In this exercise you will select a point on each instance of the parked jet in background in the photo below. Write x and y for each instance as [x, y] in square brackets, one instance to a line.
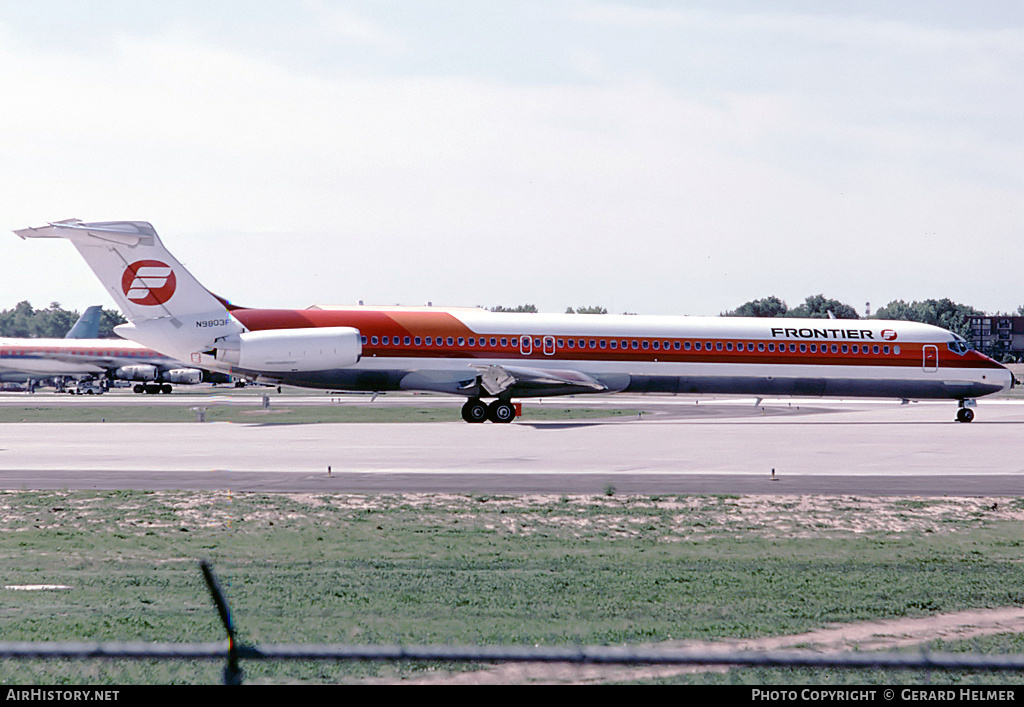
[480, 354]
[87, 327]
[81, 355]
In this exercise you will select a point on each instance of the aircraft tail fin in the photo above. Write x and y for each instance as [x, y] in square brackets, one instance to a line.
[88, 325]
[168, 309]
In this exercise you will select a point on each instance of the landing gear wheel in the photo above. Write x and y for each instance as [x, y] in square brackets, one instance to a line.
[474, 410]
[139, 388]
[964, 415]
[501, 411]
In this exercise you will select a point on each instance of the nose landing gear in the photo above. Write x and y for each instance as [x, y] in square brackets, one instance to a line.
[964, 414]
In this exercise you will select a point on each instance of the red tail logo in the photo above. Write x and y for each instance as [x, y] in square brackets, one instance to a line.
[148, 282]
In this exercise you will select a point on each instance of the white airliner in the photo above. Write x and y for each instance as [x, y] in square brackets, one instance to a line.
[122, 360]
[81, 354]
[484, 355]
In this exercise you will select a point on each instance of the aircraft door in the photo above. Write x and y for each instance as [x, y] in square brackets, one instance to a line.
[549, 345]
[525, 345]
[931, 358]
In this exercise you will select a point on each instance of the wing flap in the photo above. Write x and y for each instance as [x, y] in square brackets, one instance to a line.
[497, 379]
[513, 380]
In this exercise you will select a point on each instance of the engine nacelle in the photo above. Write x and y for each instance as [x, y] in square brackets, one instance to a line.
[290, 350]
[184, 376]
[137, 372]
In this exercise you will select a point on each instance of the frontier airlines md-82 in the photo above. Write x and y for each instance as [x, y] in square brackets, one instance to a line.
[499, 356]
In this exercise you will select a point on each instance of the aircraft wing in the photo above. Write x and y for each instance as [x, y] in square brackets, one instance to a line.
[517, 380]
[497, 379]
[101, 361]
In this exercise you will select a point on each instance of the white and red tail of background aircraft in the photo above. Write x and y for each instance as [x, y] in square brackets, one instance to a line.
[500, 356]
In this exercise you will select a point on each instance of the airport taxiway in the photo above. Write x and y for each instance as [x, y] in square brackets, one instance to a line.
[686, 446]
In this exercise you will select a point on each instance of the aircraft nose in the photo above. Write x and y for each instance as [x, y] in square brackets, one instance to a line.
[1009, 380]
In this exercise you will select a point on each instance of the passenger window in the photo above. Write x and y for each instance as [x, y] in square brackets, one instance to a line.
[760, 347]
[373, 340]
[728, 346]
[418, 341]
[462, 341]
[645, 344]
[696, 345]
[803, 348]
[385, 340]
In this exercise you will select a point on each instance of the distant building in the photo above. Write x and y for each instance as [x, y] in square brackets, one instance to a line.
[999, 336]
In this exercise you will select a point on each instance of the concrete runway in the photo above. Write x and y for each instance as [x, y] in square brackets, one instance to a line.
[717, 446]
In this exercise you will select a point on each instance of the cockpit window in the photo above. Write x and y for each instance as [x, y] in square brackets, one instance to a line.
[958, 347]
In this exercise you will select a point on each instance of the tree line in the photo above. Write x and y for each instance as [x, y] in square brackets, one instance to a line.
[24, 321]
[532, 309]
[943, 313]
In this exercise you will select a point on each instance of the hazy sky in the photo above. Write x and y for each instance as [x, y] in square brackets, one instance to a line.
[652, 157]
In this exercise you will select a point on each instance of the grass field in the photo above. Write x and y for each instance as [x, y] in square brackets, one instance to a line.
[487, 570]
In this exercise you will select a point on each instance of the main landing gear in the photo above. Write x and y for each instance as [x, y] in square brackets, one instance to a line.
[152, 388]
[476, 410]
[964, 414]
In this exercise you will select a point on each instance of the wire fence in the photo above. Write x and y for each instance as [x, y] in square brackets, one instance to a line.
[231, 652]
